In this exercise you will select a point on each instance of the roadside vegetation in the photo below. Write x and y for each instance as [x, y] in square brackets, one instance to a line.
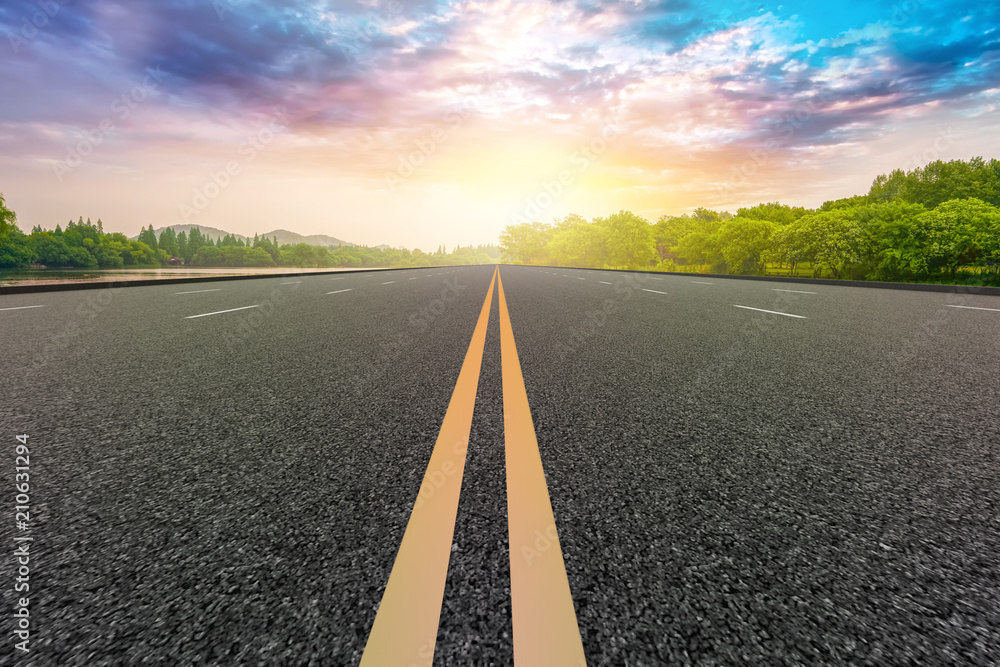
[939, 223]
[85, 245]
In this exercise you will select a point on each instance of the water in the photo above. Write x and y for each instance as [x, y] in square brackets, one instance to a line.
[61, 276]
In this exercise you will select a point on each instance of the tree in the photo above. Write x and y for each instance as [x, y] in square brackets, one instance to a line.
[789, 245]
[108, 255]
[887, 187]
[233, 255]
[701, 246]
[15, 249]
[182, 248]
[148, 236]
[524, 243]
[846, 202]
[168, 242]
[196, 241]
[258, 257]
[141, 254]
[837, 239]
[960, 232]
[629, 240]
[209, 256]
[52, 250]
[896, 239]
[775, 212]
[576, 242]
[939, 182]
[742, 241]
[302, 256]
[269, 247]
[669, 230]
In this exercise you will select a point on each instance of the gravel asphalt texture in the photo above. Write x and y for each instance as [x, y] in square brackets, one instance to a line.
[730, 486]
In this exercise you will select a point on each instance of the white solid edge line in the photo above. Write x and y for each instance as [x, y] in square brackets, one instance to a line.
[201, 291]
[340, 291]
[794, 291]
[698, 282]
[295, 283]
[773, 312]
[652, 290]
[232, 310]
[995, 310]
[22, 308]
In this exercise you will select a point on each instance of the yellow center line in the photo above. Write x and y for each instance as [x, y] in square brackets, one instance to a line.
[546, 633]
[406, 624]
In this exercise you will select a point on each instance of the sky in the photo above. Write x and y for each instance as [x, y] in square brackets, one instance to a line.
[430, 122]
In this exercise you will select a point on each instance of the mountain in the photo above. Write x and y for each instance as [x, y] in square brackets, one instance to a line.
[284, 236]
[211, 232]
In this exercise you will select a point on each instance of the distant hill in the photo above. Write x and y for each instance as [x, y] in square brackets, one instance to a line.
[284, 236]
[211, 232]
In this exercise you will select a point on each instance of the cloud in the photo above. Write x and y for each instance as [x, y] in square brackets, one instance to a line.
[363, 81]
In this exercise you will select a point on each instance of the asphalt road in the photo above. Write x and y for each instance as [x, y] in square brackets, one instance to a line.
[731, 486]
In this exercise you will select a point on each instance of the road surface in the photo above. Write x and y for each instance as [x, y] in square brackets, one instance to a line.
[740, 471]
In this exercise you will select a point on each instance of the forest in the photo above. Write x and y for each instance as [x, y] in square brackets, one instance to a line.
[938, 223]
[85, 245]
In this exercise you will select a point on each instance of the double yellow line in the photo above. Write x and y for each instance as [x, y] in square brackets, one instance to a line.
[544, 621]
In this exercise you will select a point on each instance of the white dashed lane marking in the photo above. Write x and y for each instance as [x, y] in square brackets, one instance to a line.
[231, 310]
[773, 312]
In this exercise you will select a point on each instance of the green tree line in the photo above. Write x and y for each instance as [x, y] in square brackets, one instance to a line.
[939, 223]
[85, 245]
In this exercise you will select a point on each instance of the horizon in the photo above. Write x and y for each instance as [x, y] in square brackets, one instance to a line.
[396, 125]
[213, 232]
